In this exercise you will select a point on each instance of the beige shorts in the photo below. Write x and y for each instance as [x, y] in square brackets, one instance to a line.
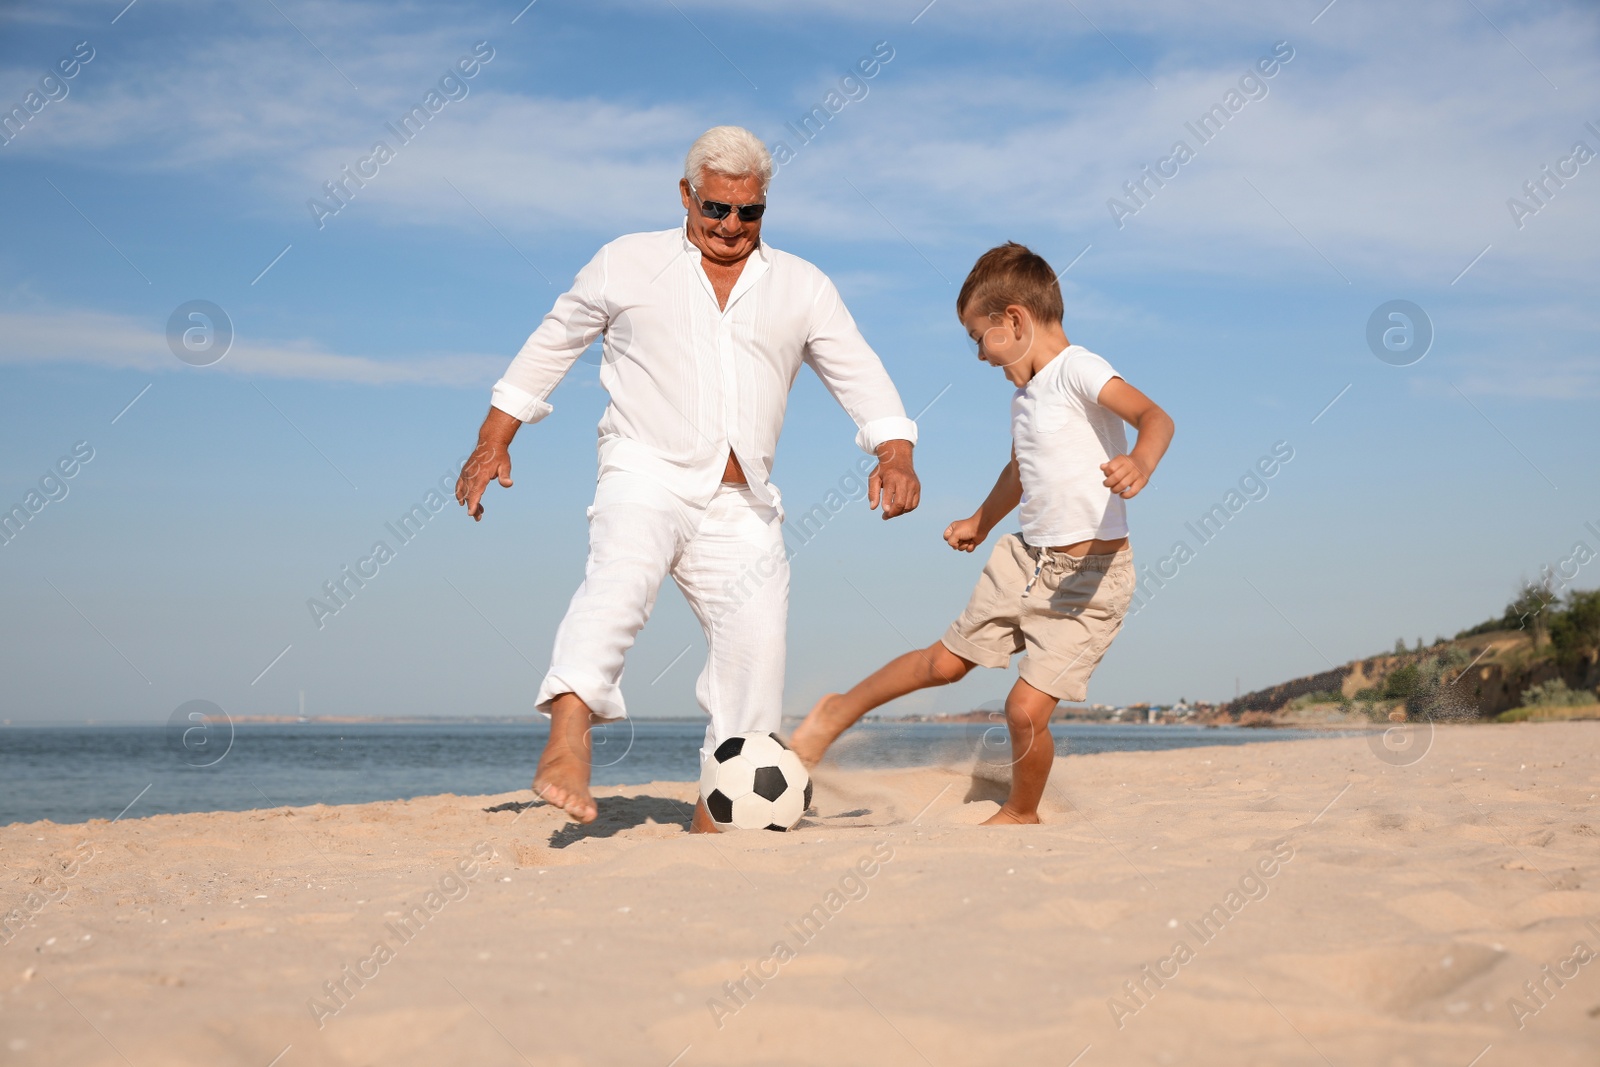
[1064, 622]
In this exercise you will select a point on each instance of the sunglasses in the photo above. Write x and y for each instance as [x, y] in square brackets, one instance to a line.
[715, 209]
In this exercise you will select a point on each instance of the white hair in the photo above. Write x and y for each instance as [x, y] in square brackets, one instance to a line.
[732, 151]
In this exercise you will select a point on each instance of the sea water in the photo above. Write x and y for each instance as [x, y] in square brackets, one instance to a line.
[72, 774]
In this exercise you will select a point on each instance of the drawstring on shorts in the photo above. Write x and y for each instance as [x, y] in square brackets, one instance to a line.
[1037, 567]
[1045, 559]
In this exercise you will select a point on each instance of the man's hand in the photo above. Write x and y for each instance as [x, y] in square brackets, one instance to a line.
[894, 482]
[964, 535]
[491, 459]
[1124, 477]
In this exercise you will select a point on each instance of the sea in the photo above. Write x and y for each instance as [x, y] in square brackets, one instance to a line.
[71, 774]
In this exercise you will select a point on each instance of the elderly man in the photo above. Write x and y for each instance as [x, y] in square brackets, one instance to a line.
[705, 329]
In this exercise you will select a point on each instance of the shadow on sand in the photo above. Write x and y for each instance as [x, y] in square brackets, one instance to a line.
[616, 814]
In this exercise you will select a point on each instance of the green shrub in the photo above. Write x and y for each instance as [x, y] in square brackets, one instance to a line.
[1529, 611]
[1575, 630]
[1555, 694]
[1326, 696]
[1401, 683]
[1377, 711]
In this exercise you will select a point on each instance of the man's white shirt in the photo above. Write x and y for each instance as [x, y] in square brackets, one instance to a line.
[690, 381]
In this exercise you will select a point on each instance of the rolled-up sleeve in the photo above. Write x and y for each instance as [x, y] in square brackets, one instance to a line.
[578, 317]
[853, 373]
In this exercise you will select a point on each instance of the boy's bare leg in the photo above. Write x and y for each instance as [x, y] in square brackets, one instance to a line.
[837, 712]
[563, 774]
[1033, 753]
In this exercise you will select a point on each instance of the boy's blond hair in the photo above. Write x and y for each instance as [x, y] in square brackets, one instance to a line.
[1011, 274]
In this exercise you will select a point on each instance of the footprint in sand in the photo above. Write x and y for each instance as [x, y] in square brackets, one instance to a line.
[1572, 904]
[1445, 912]
[1394, 978]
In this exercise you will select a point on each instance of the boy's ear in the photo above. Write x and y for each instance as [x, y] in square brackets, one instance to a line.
[1020, 320]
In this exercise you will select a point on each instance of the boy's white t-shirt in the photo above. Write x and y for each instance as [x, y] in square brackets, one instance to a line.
[1062, 435]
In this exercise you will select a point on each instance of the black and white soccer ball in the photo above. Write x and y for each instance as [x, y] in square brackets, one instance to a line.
[753, 781]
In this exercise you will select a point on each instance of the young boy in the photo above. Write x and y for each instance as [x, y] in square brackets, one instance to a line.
[1057, 591]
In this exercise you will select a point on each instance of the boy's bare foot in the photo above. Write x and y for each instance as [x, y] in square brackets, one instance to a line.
[1006, 817]
[563, 780]
[818, 730]
[701, 823]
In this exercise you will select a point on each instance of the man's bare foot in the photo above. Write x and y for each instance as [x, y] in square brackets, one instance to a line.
[563, 780]
[818, 730]
[1006, 817]
[701, 823]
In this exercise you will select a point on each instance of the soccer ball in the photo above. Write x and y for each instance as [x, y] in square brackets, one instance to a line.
[753, 781]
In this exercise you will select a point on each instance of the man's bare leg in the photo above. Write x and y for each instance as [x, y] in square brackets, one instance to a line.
[1033, 753]
[701, 823]
[837, 712]
[563, 774]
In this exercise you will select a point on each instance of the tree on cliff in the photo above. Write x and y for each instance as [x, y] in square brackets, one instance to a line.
[1575, 630]
[1529, 611]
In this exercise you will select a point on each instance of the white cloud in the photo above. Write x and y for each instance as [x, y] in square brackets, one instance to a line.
[122, 342]
[1561, 378]
[1390, 143]
[1510, 348]
[533, 164]
[1394, 163]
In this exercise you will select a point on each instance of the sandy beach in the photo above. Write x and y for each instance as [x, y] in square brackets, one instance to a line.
[1312, 902]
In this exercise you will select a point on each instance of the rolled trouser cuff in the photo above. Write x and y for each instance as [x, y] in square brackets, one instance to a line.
[603, 699]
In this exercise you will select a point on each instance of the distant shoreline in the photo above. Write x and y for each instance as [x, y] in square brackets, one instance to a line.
[954, 719]
[538, 720]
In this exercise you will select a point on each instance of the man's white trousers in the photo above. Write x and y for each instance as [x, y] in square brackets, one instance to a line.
[727, 557]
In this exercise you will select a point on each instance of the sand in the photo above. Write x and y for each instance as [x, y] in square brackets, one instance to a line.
[1367, 905]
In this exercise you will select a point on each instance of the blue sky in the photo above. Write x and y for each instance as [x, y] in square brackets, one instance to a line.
[177, 163]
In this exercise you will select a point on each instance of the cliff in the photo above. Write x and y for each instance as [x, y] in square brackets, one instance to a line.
[1471, 677]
